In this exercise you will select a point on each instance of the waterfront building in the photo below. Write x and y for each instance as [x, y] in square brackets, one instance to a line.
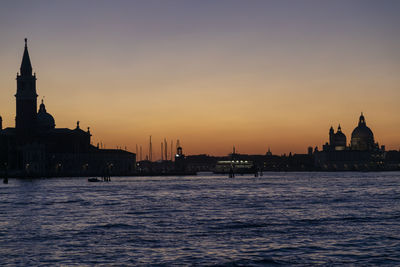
[361, 154]
[35, 147]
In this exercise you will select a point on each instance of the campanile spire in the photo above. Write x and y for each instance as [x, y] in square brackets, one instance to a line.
[26, 96]
[26, 66]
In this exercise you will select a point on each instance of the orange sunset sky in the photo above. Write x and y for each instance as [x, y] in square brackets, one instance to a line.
[254, 74]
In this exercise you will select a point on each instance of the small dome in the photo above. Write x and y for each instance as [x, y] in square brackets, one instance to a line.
[44, 120]
[340, 135]
[340, 138]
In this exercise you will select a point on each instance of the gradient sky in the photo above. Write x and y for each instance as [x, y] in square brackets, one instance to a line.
[254, 74]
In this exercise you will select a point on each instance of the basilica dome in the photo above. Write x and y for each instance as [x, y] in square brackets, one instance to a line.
[362, 137]
[44, 120]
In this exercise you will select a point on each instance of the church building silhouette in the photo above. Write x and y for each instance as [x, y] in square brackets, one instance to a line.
[35, 147]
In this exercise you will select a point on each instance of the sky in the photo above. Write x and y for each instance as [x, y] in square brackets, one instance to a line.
[213, 74]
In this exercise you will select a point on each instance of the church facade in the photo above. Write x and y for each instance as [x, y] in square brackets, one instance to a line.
[362, 153]
[35, 147]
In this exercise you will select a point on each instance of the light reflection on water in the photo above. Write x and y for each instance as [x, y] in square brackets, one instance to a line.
[280, 218]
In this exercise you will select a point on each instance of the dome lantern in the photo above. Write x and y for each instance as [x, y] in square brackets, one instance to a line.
[361, 121]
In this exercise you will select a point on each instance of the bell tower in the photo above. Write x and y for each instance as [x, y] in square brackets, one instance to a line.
[26, 97]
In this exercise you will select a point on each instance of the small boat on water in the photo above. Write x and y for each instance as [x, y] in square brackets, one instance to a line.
[93, 180]
[103, 179]
[5, 181]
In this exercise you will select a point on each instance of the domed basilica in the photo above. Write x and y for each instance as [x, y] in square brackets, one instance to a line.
[361, 154]
[362, 138]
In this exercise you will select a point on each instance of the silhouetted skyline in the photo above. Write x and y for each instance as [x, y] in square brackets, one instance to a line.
[213, 74]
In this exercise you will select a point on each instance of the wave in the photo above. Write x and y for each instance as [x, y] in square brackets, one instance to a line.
[246, 262]
[112, 226]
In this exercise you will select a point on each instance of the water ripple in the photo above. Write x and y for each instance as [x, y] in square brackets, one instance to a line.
[279, 219]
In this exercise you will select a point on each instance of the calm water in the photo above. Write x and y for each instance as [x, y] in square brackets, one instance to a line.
[278, 219]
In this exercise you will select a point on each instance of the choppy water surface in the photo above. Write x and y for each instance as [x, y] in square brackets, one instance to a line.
[280, 218]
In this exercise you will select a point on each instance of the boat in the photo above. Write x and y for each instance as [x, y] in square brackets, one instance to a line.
[93, 180]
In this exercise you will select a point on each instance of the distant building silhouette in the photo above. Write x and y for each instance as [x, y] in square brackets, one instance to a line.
[36, 147]
[269, 153]
[180, 162]
[362, 153]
